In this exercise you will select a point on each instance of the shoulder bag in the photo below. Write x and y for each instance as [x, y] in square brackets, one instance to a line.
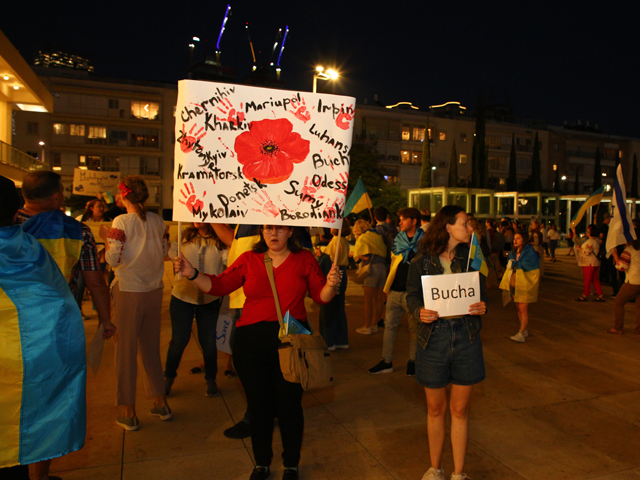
[304, 359]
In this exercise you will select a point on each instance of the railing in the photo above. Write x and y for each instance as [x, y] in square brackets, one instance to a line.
[16, 158]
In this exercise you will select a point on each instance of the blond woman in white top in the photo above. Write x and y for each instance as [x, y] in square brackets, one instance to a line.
[136, 246]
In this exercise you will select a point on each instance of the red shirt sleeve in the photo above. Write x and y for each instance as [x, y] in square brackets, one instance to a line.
[229, 280]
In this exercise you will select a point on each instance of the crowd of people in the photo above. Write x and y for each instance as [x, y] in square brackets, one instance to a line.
[219, 268]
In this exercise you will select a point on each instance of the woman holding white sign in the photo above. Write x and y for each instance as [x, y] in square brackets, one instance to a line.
[255, 348]
[449, 348]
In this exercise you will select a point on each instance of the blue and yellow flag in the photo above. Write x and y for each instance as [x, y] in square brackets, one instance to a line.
[358, 200]
[592, 201]
[60, 235]
[42, 355]
[476, 257]
[527, 272]
[243, 240]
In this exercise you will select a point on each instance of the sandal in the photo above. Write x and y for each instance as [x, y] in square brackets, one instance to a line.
[599, 299]
[615, 330]
[581, 298]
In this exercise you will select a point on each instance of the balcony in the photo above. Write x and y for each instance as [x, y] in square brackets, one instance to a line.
[15, 158]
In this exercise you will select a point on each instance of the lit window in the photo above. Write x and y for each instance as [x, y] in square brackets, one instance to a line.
[503, 181]
[416, 158]
[555, 167]
[97, 132]
[82, 160]
[60, 129]
[76, 130]
[442, 136]
[405, 156]
[418, 134]
[430, 134]
[93, 162]
[146, 110]
[406, 133]
[463, 158]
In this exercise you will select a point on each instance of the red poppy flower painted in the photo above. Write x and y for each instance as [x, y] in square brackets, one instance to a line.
[269, 149]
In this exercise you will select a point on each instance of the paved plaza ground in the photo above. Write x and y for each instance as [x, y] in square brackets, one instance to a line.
[563, 405]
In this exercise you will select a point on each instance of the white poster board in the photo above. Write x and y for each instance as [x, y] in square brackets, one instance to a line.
[93, 182]
[260, 156]
[452, 294]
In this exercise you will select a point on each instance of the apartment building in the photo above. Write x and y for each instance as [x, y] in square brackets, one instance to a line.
[104, 124]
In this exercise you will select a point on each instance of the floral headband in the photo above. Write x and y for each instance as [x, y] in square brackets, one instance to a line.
[124, 190]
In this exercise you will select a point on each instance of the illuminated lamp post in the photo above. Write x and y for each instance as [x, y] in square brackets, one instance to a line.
[41, 143]
[322, 75]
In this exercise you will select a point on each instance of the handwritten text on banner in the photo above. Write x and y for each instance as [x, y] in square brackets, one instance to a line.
[92, 182]
[452, 294]
[260, 156]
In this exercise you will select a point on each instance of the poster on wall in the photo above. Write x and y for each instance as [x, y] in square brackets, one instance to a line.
[261, 156]
[93, 182]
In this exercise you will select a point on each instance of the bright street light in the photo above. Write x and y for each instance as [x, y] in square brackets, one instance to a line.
[322, 75]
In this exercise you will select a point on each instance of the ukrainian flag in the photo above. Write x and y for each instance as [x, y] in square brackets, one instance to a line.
[358, 200]
[243, 240]
[60, 235]
[42, 355]
[592, 201]
[476, 257]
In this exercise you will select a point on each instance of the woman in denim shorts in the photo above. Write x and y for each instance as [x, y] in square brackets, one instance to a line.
[449, 348]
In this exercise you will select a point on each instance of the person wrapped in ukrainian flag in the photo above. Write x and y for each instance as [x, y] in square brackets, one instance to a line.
[520, 281]
[42, 359]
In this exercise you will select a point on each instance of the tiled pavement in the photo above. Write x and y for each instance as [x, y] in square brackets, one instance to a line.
[563, 405]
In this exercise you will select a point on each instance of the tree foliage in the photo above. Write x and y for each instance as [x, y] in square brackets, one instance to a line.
[597, 171]
[453, 166]
[425, 172]
[364, 164]
[536, 176]
[512, 180]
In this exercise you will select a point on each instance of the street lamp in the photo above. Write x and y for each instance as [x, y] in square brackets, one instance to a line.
[41, 143]
[322, 75]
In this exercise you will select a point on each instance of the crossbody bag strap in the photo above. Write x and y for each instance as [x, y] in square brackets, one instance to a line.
[269, 266]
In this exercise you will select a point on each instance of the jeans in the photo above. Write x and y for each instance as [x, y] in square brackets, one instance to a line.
[333, 318]
[590, 275]
[269, 395]
[553, 244]
[396, 308]
[450, 356]
[181, 321]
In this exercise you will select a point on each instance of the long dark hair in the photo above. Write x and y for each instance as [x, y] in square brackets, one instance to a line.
[292, 243]
[436, 238]
[192, 232]
[88, 211]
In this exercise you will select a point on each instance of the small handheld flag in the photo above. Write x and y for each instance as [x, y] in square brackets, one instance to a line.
[291, 325]
[358, 200]
[476, 257]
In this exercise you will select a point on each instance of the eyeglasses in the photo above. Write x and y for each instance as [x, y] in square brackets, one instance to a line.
[278, 229]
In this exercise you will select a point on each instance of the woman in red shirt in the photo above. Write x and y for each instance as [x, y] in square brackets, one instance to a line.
[255, 349]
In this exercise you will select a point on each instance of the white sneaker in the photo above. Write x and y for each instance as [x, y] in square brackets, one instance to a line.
[460, 476]
[331, 348]
[343, 347]
[434, 474]
[518, 337]
[364, 330]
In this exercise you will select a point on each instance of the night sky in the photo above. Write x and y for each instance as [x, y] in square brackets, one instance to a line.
[552, 61]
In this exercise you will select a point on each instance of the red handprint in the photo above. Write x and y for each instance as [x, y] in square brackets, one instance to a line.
[267, 205]
[344, 117]
[332, 211]
[234, 116]
[307, 192]
[344, 178]
[300, 112]
[193, 204]
[187, 142]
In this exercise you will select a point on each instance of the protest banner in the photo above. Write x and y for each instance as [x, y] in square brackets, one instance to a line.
[261, 156]
[93, 182]
[452, 294]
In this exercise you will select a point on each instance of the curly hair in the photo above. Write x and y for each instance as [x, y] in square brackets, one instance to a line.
[138, 194]
[436, 238]
[292, 243]
[360, 227]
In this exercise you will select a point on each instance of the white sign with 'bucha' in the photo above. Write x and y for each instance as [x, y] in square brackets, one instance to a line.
[451, 295]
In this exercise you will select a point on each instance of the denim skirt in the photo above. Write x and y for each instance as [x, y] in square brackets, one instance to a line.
[450, 356]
